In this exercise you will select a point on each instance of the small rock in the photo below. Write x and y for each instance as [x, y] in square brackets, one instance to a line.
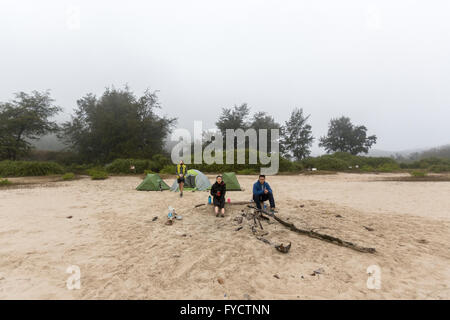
[69, 217]
[155, 218]
[221, 281]
[369, 228]
[276, 276]
[302, 205]
[246, 296]
[338, 216]
[239, 228]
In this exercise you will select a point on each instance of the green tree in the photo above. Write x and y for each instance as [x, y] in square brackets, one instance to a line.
[296, 136]
[262, 120]
[25, 118]
[117, 125]
[233, 118]
[343, 136]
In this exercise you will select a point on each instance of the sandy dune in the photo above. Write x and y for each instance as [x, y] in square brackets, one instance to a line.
[122, 253]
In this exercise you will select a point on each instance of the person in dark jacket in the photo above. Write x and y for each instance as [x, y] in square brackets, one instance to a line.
[218, 191]
[262, 192]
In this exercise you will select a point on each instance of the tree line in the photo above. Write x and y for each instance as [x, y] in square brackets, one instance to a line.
[120, 124]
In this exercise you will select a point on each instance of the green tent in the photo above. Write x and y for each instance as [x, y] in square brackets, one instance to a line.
[231, 181]
[194, 180]
[152, 182]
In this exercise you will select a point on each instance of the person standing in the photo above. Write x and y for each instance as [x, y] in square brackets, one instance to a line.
[181, 173]
[218, 191]
[262, 192]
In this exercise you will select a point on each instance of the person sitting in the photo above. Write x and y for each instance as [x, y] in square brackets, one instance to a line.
[262, 192]
[218, 191]
[181, 172]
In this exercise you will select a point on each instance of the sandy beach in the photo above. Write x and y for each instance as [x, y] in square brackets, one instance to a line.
[107, 229]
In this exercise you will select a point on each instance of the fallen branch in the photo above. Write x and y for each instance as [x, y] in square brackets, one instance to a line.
[316, 235]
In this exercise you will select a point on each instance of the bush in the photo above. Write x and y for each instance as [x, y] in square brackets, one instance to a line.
[388, 167]
[124, 166]
[168, 169]
[5, 182]
[248, 172]
[418, 174]
[367, 168]
[146, 172]
[439, 168]
[68, 176]
[97, 174]
[29, 168]
[326, 162]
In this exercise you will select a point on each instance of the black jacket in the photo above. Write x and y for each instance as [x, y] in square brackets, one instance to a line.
[218, 187]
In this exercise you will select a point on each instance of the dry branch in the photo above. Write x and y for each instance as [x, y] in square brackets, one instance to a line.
[316, 235]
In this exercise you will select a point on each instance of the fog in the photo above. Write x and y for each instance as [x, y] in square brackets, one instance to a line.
[385, 64]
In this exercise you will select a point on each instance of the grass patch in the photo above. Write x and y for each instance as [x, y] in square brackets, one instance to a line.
[5, 182]
[418, 174]
[68, 176]
[97, 174]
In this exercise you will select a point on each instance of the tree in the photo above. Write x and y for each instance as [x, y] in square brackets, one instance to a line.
[296, 136]
[117, 125]
[343, 136]
[25, 118]
[236, 118]
[262, 120]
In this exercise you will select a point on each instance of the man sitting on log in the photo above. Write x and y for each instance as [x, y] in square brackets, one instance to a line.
[263, 192]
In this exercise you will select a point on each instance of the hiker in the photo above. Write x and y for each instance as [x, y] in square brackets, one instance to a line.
[263, 192]
[218, 191]
[181, 172]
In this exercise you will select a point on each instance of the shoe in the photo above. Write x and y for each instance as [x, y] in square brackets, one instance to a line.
[272, 210]
[181, 194]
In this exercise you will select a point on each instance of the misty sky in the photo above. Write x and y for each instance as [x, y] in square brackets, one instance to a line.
[385, 64]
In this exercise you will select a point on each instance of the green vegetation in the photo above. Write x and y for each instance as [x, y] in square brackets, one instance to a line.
[418, 174]
[10, 168]
[98, 174]
[68, 176]
[5, 182]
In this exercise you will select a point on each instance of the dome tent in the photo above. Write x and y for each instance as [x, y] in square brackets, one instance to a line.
[152, 182]
[231, 181]
[194, 180]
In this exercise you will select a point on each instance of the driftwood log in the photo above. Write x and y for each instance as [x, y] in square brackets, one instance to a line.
[316, 235]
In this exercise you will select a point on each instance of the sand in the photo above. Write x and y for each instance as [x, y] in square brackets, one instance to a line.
[123, 254]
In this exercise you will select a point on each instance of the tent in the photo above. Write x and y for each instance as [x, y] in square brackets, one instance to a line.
[152, 182]
[194, 180]
[231, 181]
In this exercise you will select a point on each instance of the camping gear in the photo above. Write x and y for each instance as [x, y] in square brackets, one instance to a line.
[193, 180]
[231, 181]
[152, 182]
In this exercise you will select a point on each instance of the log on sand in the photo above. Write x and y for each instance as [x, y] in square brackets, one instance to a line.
[316, 235]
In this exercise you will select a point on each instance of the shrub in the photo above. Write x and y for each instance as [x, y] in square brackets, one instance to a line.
[124, 166]
[29, 168]
[97, 174]
[146, 172]
[5, 182]
[367, 168]
[168, 169]
[418, 174]
[248, 172]
[438, 168]
[388, 167]
[68, 176]
[326, 162]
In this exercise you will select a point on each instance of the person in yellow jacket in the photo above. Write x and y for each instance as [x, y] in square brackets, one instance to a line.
[181, 172]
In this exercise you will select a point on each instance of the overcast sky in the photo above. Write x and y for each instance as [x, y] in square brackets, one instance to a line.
[385, 64]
